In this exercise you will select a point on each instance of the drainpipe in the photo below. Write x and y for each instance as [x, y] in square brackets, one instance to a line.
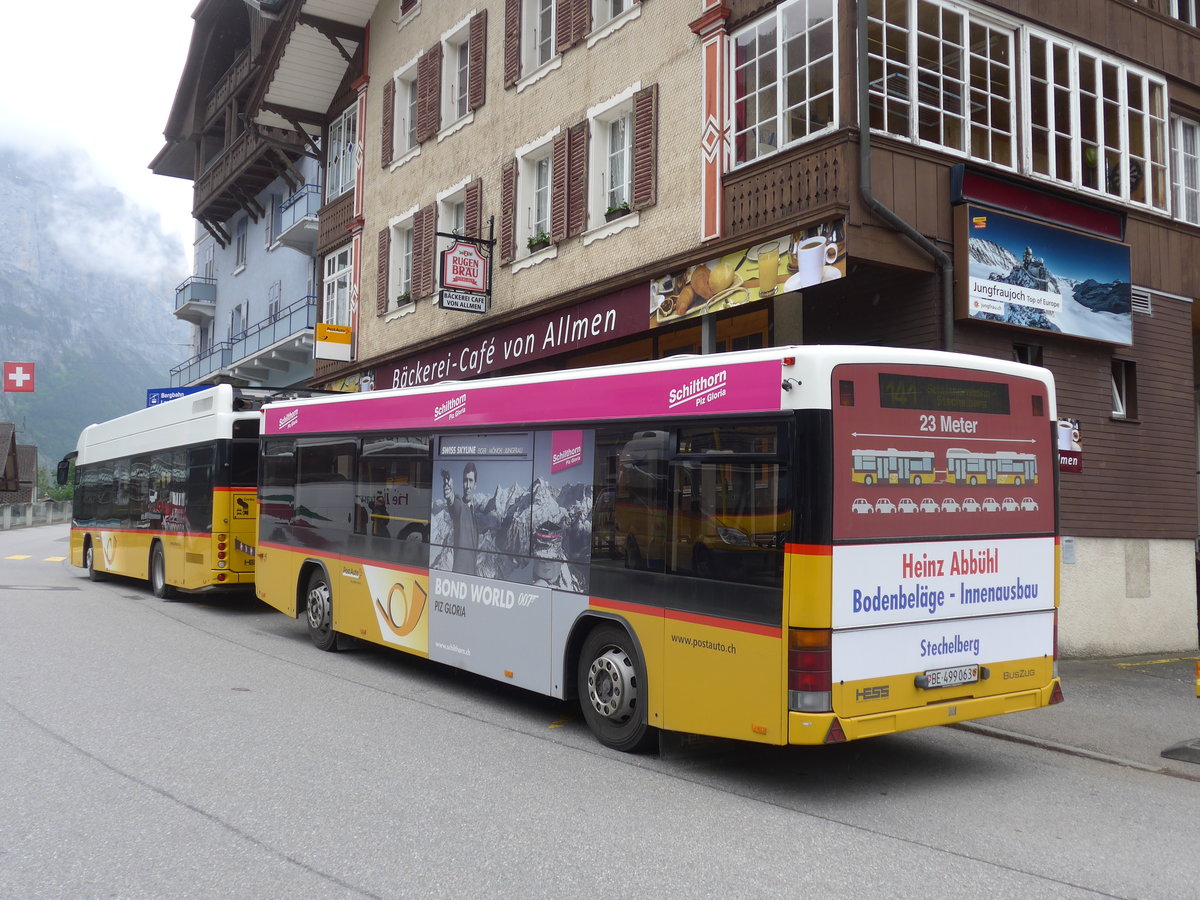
[939, 256]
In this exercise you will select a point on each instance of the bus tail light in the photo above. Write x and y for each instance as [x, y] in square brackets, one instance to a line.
[810, 670]
[1056, 695]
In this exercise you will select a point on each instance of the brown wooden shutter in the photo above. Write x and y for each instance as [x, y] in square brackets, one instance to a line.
[577, 177]
[424, 226]
[564, 25]
[508, 211]
[381, 271]
[473, 209]
[512, 42]
[388, 131]
[429, 93]
[559, 171]
[582, 19]
[477, 54]
[406, 5]
[645, 148]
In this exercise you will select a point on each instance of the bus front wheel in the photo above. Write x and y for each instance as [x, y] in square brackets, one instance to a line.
[612, 691]
[320, 612]
[89, 560]
[158, 574]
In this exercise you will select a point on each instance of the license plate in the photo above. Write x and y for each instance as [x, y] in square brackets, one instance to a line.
[936, 678]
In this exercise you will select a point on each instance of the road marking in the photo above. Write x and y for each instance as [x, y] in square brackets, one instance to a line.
[1153, 662]
[16, 557]
[54, 559]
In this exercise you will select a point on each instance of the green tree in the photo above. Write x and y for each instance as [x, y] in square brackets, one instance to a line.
[48, 487]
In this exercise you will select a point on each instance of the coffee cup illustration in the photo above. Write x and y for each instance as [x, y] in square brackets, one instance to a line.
[813, 254]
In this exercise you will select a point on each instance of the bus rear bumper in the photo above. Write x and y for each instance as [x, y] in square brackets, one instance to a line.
[813, 728]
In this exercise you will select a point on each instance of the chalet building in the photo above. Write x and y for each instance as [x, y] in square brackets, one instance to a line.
[251, 298]
[1011, 179]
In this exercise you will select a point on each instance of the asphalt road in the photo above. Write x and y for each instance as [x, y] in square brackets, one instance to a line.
[203, 748]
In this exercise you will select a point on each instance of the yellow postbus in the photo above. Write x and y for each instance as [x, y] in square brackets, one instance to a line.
[682, 545]
[168, 494]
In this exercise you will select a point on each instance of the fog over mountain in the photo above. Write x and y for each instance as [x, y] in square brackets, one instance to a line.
[87, 286]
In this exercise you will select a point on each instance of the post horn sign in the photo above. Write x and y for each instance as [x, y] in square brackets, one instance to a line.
[465, 282]
[333, 342]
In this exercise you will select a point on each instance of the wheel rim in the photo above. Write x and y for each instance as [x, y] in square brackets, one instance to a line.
[88, 557]
[158, 572]
[612, 685]
[320, 607]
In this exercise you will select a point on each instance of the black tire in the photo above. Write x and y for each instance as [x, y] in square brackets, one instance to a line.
[612, 691]
[319, 609]
[89, 561]
[158, 574]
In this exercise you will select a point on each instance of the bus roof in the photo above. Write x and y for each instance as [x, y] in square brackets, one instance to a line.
[750, 381]
[203, 416]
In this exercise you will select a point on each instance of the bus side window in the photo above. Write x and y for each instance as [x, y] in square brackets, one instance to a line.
[631, 511]
[393, 496]
[325, 486]
[200, 488]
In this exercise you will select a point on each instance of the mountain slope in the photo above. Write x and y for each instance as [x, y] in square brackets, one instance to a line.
[86, 291]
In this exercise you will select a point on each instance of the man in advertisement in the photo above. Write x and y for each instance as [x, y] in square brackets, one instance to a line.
[463, 518]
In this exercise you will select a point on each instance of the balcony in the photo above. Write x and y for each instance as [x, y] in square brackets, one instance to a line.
[276, 352]
[298, 219]
[196, 299]
[243, 169]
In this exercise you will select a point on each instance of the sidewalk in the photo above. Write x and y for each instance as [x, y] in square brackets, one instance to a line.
[1126, 710]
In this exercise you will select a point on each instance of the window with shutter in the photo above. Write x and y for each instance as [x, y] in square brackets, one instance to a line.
[508, 211]
[387, 131]
[429, 94]
[477, 78]
[456, 74]
[644, 186]
[424, 227]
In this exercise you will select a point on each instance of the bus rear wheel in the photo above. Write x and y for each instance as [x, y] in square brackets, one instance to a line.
[319, 604]
[612, 691]
[158, 574]
[89, 560]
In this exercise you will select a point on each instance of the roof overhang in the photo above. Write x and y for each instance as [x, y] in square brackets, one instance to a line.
[319, 41]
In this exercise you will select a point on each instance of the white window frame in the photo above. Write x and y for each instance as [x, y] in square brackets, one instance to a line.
[528, 159]
[400, 264]
[404, 114]
[335, 286]
[1185, 11]
[966, 101]
[341, 164]
[456, 73]
[1124, 403]
[770, 92]
[1113, 152]
[1185, 147]
[451, 218]
[241, 243]
[600, 173]
[538, 37]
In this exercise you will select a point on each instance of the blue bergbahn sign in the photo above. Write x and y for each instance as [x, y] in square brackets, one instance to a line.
[155, 396]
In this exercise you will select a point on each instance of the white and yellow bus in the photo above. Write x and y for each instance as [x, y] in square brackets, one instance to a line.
[676, 543]
[167, 494]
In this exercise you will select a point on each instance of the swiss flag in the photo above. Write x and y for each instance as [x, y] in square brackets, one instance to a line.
[18, 377]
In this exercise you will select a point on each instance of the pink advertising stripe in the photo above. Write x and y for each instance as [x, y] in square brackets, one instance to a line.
[742, 388]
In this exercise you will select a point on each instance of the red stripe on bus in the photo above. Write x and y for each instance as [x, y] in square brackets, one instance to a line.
[809, 549]
[693, 618]
[343, 558]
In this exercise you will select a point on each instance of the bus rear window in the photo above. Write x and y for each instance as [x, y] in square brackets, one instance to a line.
[898, 391]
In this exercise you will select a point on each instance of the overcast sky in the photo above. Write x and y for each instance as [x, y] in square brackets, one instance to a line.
[100, 77]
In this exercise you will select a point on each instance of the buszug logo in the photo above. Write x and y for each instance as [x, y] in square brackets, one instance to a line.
[289, 420]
